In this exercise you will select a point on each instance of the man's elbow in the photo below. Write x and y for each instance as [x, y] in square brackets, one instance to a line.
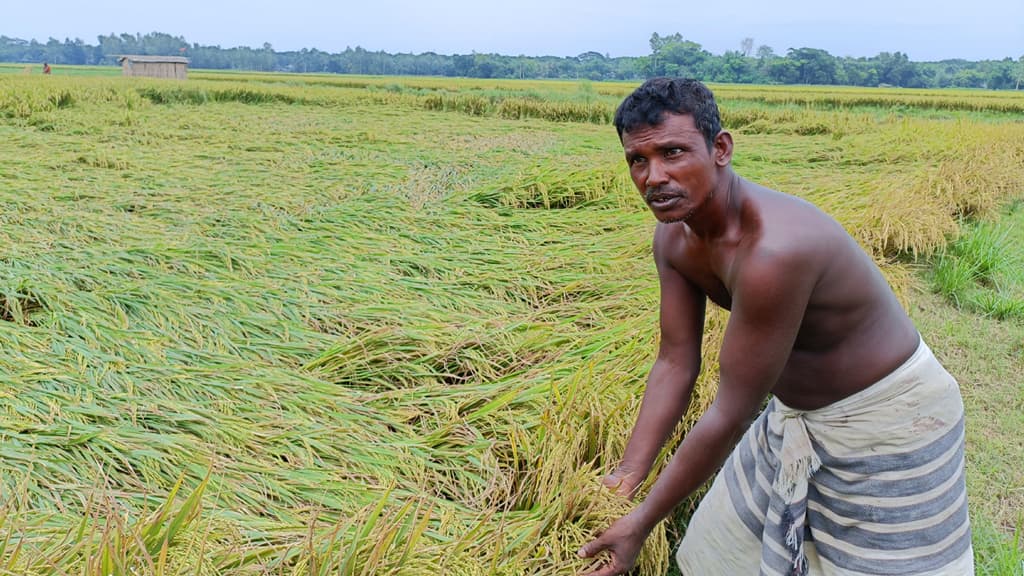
[681, 373]
[731, 423]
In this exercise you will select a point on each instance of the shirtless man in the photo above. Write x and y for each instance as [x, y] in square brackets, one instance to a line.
[813, 324]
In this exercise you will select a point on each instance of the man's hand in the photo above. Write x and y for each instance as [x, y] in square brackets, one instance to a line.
[622, 482]
[623, 541]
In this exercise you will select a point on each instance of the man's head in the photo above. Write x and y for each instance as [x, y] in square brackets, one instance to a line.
[649, 103]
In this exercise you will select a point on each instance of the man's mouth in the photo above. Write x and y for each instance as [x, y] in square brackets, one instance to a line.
[662, 197]
[661, 201]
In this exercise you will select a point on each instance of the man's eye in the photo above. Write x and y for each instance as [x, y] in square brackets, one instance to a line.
[673, 151]
[637, 160]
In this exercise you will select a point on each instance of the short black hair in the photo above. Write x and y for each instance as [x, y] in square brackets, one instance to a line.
[647, 106]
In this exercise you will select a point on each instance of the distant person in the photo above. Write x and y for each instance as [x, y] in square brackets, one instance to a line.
[46, 68]
[856, 464]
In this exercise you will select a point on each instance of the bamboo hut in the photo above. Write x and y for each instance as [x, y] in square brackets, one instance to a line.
[175, 67]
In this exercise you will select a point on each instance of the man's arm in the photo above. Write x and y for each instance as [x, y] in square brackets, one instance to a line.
[768, 303]
[671, 379]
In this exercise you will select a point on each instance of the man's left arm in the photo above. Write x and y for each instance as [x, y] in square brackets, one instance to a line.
[769, 298]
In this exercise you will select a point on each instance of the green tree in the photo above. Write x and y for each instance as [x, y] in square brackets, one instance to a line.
[658, 42]
[784, 71]
[463, 64]
[674, 56]
[732, 67]
[897, 70]
[593, 66]
[999, 75]
[859, 72]
[968, 78]
[812, 66]
[765, 55]
[74, 52]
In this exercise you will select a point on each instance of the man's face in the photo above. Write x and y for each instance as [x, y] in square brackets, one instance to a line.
[671, 166]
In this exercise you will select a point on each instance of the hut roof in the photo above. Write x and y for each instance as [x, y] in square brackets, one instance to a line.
[171, 59]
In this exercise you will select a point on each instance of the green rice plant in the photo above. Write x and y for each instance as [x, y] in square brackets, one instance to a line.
[105, 544]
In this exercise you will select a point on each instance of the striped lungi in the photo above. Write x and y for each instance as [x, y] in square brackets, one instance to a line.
[872, 484]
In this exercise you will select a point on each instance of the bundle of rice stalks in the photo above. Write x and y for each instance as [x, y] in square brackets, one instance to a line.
[592, 112]
[580, 184]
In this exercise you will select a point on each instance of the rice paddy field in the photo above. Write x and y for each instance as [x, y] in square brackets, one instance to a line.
[282, 324]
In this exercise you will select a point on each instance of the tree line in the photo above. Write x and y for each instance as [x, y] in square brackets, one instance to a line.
[670, 55]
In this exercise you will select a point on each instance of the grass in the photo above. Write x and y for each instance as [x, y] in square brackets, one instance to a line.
[971, 319]
[372, 336]
[985, 355]
[983, 269]
[996, 553]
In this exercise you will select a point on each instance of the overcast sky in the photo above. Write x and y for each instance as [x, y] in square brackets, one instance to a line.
[923, 29]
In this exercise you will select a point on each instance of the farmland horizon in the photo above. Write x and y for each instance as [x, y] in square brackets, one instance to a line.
[926, 31]
[747, 45]
[670, 55]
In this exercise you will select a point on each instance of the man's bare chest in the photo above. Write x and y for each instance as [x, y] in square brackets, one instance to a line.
[710, 272]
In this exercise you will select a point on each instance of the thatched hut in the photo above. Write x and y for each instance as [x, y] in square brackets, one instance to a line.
[155, 66]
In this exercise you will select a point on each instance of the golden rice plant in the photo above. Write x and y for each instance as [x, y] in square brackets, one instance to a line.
[520, 108]
[576, 184]
[251, 324]
[838, 97]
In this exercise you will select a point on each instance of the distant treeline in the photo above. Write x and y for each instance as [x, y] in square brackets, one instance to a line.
[670, 55]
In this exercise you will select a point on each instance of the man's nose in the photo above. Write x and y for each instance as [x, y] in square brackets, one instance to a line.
[656, 174]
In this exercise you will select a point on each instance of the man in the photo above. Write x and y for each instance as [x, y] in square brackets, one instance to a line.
[856, 464]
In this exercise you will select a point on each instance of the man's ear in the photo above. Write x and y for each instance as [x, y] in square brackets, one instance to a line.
[723, 148]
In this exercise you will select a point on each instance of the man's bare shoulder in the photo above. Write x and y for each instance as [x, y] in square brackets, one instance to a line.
[784, 239]
[782, 226]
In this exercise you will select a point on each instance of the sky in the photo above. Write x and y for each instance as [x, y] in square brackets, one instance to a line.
[925, 30]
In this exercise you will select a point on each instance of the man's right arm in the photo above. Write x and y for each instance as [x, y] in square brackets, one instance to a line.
[671, 380]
